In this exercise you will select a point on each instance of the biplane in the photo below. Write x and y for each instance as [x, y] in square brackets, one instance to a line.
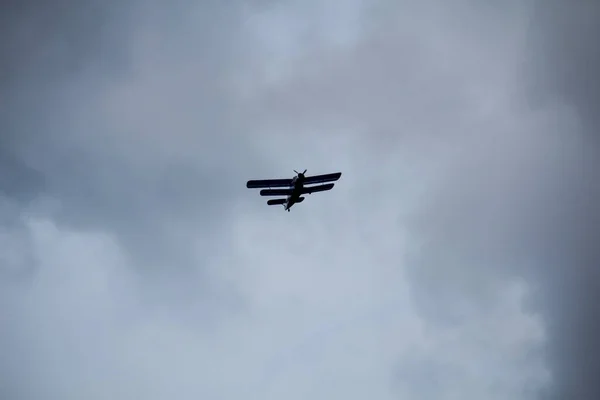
[293, 188]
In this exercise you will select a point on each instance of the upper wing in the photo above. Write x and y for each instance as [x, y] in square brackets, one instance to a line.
[322, 178]
[314, 189]
[265, 183]
[276, 192]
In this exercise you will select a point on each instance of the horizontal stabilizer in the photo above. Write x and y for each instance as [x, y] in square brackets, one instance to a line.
[275, 202]
[315, 189]
[309, 180]
[276, 192]
[268, 183]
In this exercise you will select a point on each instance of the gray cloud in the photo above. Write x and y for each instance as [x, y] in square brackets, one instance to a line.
[565, 57]
[139, 123]
[43, 42]
[514, 191]
[66, 141]
[568, 67]
[525, 203]
[72, 153]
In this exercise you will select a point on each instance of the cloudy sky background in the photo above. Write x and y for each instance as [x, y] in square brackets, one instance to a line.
[454, 259]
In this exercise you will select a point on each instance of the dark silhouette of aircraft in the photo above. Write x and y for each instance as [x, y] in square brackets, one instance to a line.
[294, 187]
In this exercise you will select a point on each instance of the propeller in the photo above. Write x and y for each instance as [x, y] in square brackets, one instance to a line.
[300, 173]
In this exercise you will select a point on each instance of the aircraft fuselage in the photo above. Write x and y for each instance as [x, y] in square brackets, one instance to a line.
[297, 185]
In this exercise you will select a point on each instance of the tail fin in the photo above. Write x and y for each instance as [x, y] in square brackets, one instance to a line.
[274, 202]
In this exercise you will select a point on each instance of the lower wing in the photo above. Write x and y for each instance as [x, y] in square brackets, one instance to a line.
[276, 192]
[315, 189]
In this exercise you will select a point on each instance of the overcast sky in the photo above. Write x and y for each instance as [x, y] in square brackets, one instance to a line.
[455, 258]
